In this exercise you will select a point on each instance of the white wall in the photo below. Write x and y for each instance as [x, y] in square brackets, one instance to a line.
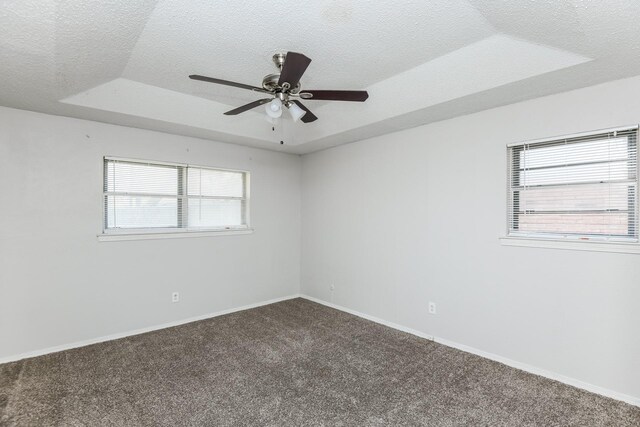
[406, 218]
[392, 222]
[59, 285]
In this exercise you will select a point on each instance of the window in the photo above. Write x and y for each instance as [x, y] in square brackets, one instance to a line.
[151, 196]
[583, 187]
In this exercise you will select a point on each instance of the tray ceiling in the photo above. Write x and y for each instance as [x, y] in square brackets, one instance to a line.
[127, 62]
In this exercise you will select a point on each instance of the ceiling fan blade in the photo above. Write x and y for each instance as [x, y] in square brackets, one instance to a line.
[227, 83]
[295, 64]
[247, 107]
[309, 116]
[335, 95]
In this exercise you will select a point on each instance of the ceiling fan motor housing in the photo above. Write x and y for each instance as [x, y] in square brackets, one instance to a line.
[270, 81]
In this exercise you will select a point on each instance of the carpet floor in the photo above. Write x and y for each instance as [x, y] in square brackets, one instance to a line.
[291, 363]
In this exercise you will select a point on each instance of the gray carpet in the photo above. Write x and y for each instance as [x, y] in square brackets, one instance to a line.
[288, 364]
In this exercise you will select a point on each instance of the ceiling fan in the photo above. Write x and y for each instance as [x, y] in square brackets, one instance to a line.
[284, 86]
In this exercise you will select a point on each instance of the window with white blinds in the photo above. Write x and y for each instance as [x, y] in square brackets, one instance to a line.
[583, 187]
[155, 196]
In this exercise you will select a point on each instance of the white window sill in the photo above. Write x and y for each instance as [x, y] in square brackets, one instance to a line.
[576, 245]
[118, 236]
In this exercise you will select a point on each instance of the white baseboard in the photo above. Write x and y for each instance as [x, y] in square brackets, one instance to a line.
[515, 364]
[119, 335]
[632, 400]
[372, 318]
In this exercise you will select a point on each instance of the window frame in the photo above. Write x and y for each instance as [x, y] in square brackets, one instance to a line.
[112, 234]
[590, 242]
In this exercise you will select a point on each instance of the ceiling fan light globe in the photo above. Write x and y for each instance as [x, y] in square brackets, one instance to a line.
[274, 108]
[275, 104]
[296, 112]
[271, 113]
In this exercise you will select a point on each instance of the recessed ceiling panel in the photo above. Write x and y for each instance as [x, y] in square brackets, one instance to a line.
[353, 44]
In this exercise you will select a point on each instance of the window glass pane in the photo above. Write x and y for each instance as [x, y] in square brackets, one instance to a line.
[613, 223]
[123, 177]
[577, 198]
[172, 196]
[580, 152]
[215, 213]
[208, 182]
[141, 212]
[581, 188]
[576, 174]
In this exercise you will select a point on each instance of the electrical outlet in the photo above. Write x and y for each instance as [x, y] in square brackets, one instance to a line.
[175, 297]
[332, 288]
[432, 307]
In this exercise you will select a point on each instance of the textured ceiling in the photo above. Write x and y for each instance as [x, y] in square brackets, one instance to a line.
[127, 62]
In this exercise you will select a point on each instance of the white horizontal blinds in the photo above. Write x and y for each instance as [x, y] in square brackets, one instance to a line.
[145, 195]
[216, 198]
[141, 195]
[578, 187]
